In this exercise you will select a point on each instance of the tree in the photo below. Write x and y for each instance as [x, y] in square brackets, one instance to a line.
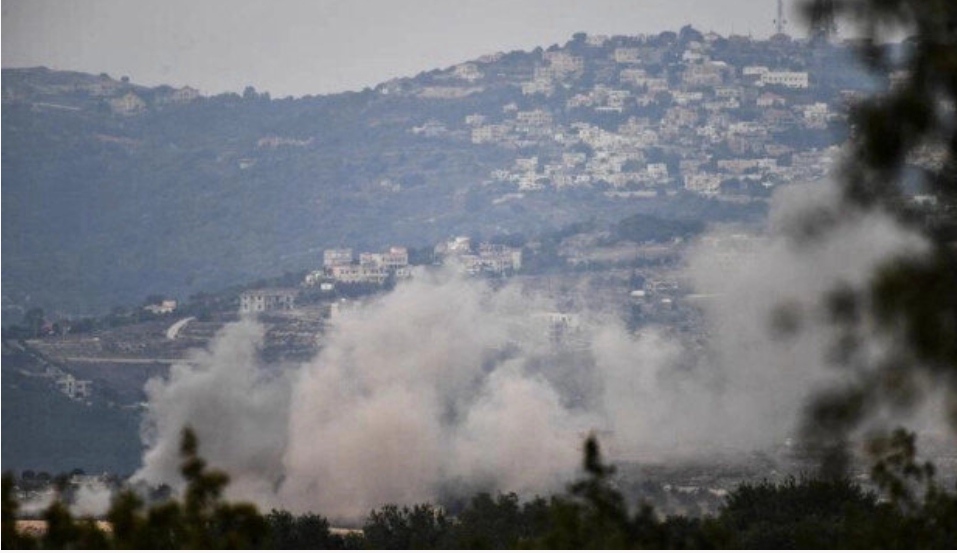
[308, 531]
[910, 129]
[689, 34]
[799, 514]
[393, 527]
[202, 520]
[12, 539]
[596, 516]
[501, 522]
[33, 321]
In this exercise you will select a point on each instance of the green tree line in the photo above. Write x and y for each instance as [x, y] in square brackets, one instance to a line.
[797, 513]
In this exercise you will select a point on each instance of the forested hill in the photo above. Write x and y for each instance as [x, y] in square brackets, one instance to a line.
[114, 191]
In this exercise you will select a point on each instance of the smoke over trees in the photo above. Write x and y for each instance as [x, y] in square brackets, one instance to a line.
[447, 386]
[910, 300]
[591, 514]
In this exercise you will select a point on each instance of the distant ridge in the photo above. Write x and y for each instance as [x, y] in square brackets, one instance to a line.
[114, 191]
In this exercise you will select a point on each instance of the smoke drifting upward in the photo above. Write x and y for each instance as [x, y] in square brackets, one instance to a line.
[238, 409]
[424, 389]
[766, 287]
[446, 385]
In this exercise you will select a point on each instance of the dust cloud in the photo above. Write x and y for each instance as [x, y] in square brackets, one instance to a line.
[448, 385]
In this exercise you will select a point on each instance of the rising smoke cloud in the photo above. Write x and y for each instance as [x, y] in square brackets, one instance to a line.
[447, 385]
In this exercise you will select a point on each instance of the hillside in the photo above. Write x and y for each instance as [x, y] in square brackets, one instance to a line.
[46, 431]
[114, 191]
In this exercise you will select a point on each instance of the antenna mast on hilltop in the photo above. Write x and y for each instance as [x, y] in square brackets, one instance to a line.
[779, 21]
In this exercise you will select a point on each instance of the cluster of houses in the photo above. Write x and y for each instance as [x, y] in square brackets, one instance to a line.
[163, 307]
[638, 114]
[131, 103]
[488, 259]
[338, 266]
[698, 119]
[341, 265]
[268, 299]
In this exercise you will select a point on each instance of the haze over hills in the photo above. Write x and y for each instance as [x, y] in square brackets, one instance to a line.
[578, 283]
[114, 191]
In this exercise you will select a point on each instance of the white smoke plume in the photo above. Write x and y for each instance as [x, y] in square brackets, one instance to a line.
[447, 385]
[753, 282]
[35, 505]
[239, 410]
[91, 500]
[88, 499]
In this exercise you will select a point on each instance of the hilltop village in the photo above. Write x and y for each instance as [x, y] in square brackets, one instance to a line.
[629, 115]
[646, 115]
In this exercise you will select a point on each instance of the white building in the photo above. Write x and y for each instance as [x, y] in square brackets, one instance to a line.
[657, 171]
[184, 95]
[468, 72]
[537, 117]
[393, 259]
[754, 70]
[274, 299]
[333, 258]
[627, 55]
[789, 79]
[703, 183]
[559, 328]
[489, 133]
[161, 308]
[538, 86]
[475, 120]
[563, 62]
[358, 274]
[816, 115]
[73, 388]
[129, 104]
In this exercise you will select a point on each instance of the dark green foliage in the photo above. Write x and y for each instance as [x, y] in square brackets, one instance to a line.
[498, 522]
[202, 520]
[12, 539]
[904, 139]
[797, 513]
[393, 527]
[308, 531]
[806, 514]
[649, 228]
[595, 515]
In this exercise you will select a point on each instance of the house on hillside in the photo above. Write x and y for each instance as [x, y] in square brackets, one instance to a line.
[128, 104]
[336, 258]
[74, 388]
[273, 299]
[161, 308]
[184, 95]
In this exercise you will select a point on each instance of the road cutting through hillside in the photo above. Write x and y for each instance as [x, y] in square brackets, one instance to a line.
[173, 330]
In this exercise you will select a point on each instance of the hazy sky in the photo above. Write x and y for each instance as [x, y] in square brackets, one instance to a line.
[298, 47]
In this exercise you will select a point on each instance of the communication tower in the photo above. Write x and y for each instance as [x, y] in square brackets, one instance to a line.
[780, 21]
